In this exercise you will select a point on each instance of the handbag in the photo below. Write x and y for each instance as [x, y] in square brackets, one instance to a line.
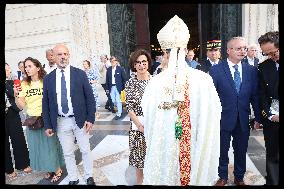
[34, 122]
[122, 96]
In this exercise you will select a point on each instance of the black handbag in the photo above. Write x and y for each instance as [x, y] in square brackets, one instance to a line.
[34, 122]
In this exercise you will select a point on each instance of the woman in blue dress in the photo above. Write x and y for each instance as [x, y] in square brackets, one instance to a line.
[93, 75]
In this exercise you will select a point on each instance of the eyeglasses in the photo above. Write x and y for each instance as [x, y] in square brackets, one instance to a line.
[240, 49]
[270, 53]
[141, 62]
[114, 60]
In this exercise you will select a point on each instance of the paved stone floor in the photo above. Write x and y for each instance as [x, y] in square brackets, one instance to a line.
[109, 145]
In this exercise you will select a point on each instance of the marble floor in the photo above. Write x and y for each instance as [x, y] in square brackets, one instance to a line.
[109, 145]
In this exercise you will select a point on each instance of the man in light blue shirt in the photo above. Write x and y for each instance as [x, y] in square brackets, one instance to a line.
[189, 59]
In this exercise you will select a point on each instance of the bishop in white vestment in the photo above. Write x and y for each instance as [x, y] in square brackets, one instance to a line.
[182, 114]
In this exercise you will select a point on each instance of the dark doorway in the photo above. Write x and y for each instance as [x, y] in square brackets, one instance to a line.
[160, 14]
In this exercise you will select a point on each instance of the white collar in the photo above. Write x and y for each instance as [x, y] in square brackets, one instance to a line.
[231, 64]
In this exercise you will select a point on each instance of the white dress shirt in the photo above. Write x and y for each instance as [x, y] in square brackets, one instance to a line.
[49, 69]
[213, 63]
[250, 61]
[58, 90]
[232, 69]
[277, 65]
[113, 74]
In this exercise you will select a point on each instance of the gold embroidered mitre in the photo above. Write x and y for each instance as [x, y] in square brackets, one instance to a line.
[174, 34]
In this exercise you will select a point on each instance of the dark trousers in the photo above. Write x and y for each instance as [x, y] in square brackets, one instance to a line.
[13, 128]
[271, 138]
[240, 145]
[109, 102]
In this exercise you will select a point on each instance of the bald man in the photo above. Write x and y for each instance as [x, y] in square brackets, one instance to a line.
[236, 85]
[69, 109]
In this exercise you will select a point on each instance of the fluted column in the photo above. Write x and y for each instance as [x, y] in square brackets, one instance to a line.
[259, 19]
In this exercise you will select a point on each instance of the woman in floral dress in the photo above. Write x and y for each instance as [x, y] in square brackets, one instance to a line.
[93, 76]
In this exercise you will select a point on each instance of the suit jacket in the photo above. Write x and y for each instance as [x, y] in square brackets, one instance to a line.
[82, 98]
[120, 78]
[234, 104]
[205, 66]
[256, 60]
[269, 84]
[154, 66]
[9, 90]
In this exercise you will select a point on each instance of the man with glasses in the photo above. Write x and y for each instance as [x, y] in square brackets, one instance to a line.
[269, 103]
[236, 84]
[115, 83]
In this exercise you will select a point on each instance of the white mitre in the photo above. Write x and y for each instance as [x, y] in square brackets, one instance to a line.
[175, 35]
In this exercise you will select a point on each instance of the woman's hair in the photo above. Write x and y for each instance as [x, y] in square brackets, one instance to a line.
[41, 72]
[88, 62]
[134, 55]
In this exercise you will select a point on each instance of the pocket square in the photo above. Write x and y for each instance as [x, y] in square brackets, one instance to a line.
[117, 73]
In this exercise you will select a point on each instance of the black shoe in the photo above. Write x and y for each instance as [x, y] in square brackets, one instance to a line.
[117, 117]
[74, 182]
[90, 181]
[107, 107]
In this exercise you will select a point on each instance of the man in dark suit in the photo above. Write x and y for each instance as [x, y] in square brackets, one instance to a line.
[251, 55]
[69, 109]
[21, 71]
[115, 83]
[236, 84]
[252, 60]
[269, 85]
[213, 56]
[156, 63]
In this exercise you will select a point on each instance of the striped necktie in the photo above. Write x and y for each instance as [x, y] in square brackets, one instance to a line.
[64, 101]
[237, 78]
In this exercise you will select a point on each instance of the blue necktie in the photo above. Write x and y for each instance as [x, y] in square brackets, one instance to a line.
[237, 78]
[64, 101]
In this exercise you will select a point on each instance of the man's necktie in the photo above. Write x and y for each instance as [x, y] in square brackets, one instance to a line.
[237, 78]
[64, 101]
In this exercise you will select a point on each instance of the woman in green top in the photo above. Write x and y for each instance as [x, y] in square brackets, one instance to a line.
[45, 152]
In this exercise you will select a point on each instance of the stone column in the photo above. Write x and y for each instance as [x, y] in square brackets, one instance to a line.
[257, 20]
[98, 32]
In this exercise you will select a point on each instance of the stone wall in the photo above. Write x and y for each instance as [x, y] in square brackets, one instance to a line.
[32, 28]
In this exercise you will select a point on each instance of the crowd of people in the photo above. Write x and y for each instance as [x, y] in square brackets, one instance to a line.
[183, 112]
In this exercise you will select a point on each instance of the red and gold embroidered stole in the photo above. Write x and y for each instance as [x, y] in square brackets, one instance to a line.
[184, 145]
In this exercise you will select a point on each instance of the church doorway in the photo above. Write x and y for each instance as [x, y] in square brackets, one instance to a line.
[160, 14]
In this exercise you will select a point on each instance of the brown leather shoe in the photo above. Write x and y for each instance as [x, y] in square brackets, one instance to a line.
[221, 182]
[239, 183]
